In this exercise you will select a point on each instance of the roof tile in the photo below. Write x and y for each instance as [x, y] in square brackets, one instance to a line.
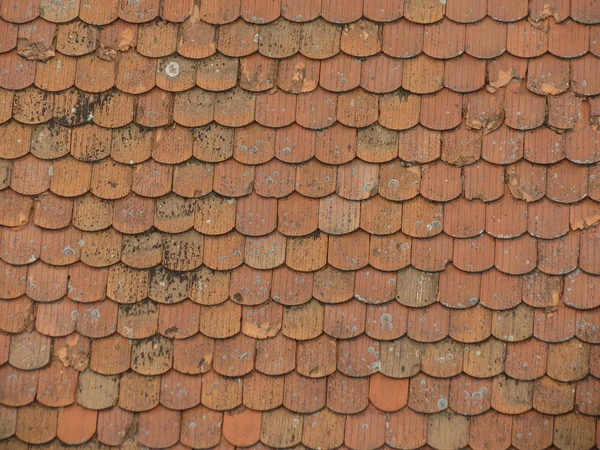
[201, 427]
[304, 395]
[197, 39]
[113, 425]
[400, 110]
[444, 40]
[32, 106]
[303, 322]
[36, 424]
[347, 395]
[159, 427]
[428, 395]
[361, 38]
[138, 392]
[532, 429]
[300, 12]
[242, 426]
[447, 430]
[567, 426]
[484, 359]
[213, 12]
[556, 324]
[442, 110]
[9, 33]
[20, 11]
[406, 429]
[250, 286]
[180, 320]
[111, 355]
[428, 11]
[280, 39]
[276, 355]
[76, 425]
[187, 353]
[402, 38]
[213, 323]
[281, 428]
[16, 314]
[466, 11]
[358, 437]
[432, 254]
[469, 395]
[326, 34]
[179, 391]
[513, 325]
[387, 321]
[262, 392]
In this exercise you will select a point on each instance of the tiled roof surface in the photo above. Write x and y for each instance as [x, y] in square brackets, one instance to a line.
[300, 223]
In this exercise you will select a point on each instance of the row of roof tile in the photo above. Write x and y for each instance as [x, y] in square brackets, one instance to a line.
[102, 12]
[201, 427]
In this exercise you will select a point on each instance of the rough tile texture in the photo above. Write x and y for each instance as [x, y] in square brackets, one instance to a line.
[281, 223]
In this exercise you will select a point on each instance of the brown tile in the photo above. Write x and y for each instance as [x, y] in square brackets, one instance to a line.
[113, 425]
[462, 147]
[432, 254]
[30, 350]
[421, 218]
[152, 356]
[304, 395]
[428, 395]
[512, 396]
[488, 430]
[281, 428]
[22, 391]
[16, 314]
[155, 108]
[441, 181]
[237, 39]
[324, 428]
[380, 216]
[76, 38]
[587, 323]
[212, 320]
[133, 214]
[347, 395]
[402, 38]
[131, 143]
[109, 180]
[471, 324]
[484, 359]
[417, 288]
[217, 73]
[399, 111]
[235, 108]
[9, 422]
[513, 325]
[280, 39]
[406, 429]
[470, 396]
[20, 72]
[197, 100]
[303, 322]
[32, 106]
[556, 324]
[307, 253]
[338, 215]
[345, 320]
[390, 252]
[553, 397]
[318, 109]
[266, 252]
[193, 355]
[447, 430]
[215, 215]
[262, 392]
[179, 321]
[36, 424]
[46, 283]
[216, 13]
[573, 430]
[377, 144]
[392, 351]
[21, 245]
[568, 361]
[139, 320]
[97, 391]
[111, 355]
[142, 251]
[174, 214]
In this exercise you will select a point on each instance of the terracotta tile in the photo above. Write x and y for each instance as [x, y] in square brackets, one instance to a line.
[317, 109]
[541, 290]
[587, 323]
[174, 214]
[484, 110]
[466, 12]
[215, 214]
[406, 429]
[348, 252]
[486, 39]
[582, 145]
[399, 111]
[76, 425]
[262, 321]
[131, 145]
[290, 287]
[581, 290]
[242, 426]
[347, 395]
[19, 73]
[441, 181]
[464, 218]
[459, 289]
[276, 110]
[138, 392]
[582, 78]
[432, 254]
[303, 322]
[556, 324]
[167, 286]
[250, 286]
[465, 74]
[484, 359]
[547, 219]
[155, 108]
[179, 391]
[422, 218]
[567, 182]
[113, 425]
[36, 424]
[97, 391]
[563, 111]
[399, 181]
[481, 435]
[118, 36]
[300, 12]
[553, 397]
[390, 358]
[513, 325]
[559, 256]
[22, 390]
[340, 73]
[444, 40]
[76, 38]
[448, 430]
[266, 252]
[512, 396]
[133, 62]
[532, 430]
[201, 427]
[209, 287]
[526, 360]
[416, 288]
[157, 39]
[32, 106]
[179, 321]
[315, 179]
[402, 38]
[213, 12]
[524, 110]
[471, 324]
[133, 214]
[361, 38]
[159, 427]
[441, 111]
[338, 215]
[262, 392]
[506, 218]
[46, 283]
[16, 314]
[142, 251]
[109, 180]
[337, 12]
[217, 73]
[298, 74]
[516, 256]
[333, 286]
[428, 394]
[304, 395]
[9, 422]
[387, 321]
[294, 144]
[470, 396]
[9, 32]
[237, 39]
[345, 320]
[275, 179]
[184, 251]
[152, 356]
[544, 146]
[503, 70]
[429, 324]
[381, 74]
[548, 75]
[29, 350]
[280, 39]
[193, 355]
[423, 12]
[587, 397]
[390, 252]
[212, 320]
[377, 144]
[380, 216]
[21, 245]
[276, 356]
[97, 319]
[281, 428]
[573, 430]
[256, 216]
[111, 355]
[259, 73]
[197, 39]
[568, 361]
[138, 320]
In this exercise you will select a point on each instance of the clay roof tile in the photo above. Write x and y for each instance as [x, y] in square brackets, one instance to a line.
[402, 38]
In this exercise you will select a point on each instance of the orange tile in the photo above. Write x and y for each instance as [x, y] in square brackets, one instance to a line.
[372, 436]
[250, 286]
[275, 179]
[466, 12]
[303, 394]
[532, 429]
[465, 74]
[237, 39]
[174, 214]
[526, 360]
[441, 111]
[217, 73]
[513, 325]
[345, 320]
[290, 287]
[255, 215]
[380, 216]
[201, 427]
[213, 323]
[262, 392]
[512, 396]
[459, 289]
[36, 424]
[16, 314]
[399, 111]
[402, 38]
[484, 359]
[568, 361]
[553, 397]
[186, 352]
[220, 393]
[348, 252]
[567, 182]
[197, 39]
[428, 11]
[582, 78]
[429, 324]
[159, 427]
[281, 428]
[377, 144]
[276, 356]
[298, 74]
[76, 425]
[488, 430]
[111, 355]
[340, 73]
[242, 427]
[347, 395]
[303, 322]
[337, 215]
[441, 181]
[470, 396]
[295, 144]
[259, 73]
[428, 394]
[317, 109]
[361, 38]
[333, 286]
[406, 429]
[387, 321]
[432, 254]
[138, 392]
[444, 40]
[570, 425]
[179, 391]
[301, 12]
[337, 11]
[262, 321]
[280, 39]
[214, 12]
[113, 425]
[587, 322]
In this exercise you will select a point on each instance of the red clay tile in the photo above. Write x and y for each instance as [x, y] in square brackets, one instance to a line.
[429, 324]
[471, 324]
[266, 252]
[580, 291]
[441, 111]
[36, 424]
[179, 391]
[526, 360]
[587, 396]
[485, 39]
[345, 320]
[459, 289]
[381, 74]
[262, 321]
[19, 73]
[574, 424]
[432, 254]
[139, 320]
[332, 285]
[442, 359]
[298, 74]
[217, 73]
[556, 324]
[16, 314]
[402, 39]
[193, 355]
[512, 396]
[280, 39]
[250, 286]
[340, 73]
[159, 427]
[157, 39]
[262, 392]
[516, 256]
[466, 11]
[568, 361]
[201, 427]
[359, 437]
[559, 256]
[9, 32]
[507, 11]
[532, 430]
[197, 39]
[209, 287]
[281, 428]
[237, 39]
[390, 355]
[513, 325]
[553, 397]
[242, 427]
[428, 395]
[444, 40]
[347, 395]
[348, 252]
[541, 290]
[9, 422]
[441, 181]
[304, 395]
[300, 12]
[567, 182]
[57, 318]
[318, 110]
[113, 425]
[138, 392]
[361, 38]
[584, 13]
[400, 111]
[464, 218]
[174, 214]
[76, 425]
[304, 321]
[547, 219]
[276, 356]
[423, 12]
[215, 215]
[21, 245]
[259, 73]
[470, 396]
[213, 323]
[465, 74]
[587, 323]
[111, 355]
[46, 283]
[548, 75]
[406, 429]
[337, 12]
[377, 144]
[489, 430]
[132, 62]
[323, 428]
